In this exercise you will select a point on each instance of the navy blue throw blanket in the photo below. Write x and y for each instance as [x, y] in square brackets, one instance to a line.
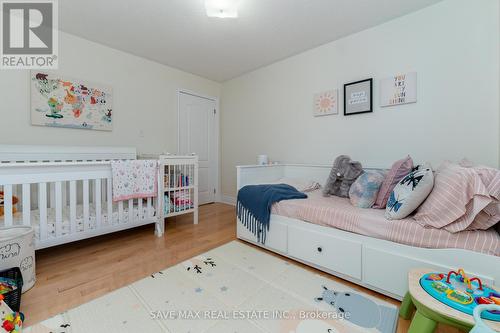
[254, 205]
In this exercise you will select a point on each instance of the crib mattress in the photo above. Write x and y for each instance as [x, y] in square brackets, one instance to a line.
[66, 221]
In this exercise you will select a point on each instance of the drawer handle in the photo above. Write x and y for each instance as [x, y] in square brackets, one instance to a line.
[320, 249]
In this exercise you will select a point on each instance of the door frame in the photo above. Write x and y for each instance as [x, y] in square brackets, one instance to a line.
[217, 183]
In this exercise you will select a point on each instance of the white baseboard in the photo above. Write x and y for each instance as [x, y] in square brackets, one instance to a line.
[228, 200]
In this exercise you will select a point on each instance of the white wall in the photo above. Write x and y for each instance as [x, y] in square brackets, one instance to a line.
[454, 48]
[144, 99]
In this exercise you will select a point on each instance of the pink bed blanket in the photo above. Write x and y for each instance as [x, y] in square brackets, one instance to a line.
[339, 213]
[134, 179]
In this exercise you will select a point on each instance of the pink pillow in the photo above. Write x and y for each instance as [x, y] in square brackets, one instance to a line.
[398, 170]
[459, 195]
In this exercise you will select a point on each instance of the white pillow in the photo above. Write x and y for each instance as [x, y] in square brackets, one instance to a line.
[409, 193]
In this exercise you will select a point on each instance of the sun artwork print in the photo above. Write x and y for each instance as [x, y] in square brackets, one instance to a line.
[63, 102]
[325, 103]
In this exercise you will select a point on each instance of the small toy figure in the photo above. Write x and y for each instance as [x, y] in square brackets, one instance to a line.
[2, 203]
[12, 322]
[343, 174]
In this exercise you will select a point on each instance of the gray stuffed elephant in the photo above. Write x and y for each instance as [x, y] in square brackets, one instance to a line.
[344, 172]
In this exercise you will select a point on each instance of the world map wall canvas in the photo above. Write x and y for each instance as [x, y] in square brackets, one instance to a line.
[59, 101]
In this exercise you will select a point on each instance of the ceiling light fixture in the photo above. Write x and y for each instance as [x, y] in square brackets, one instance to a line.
[221, 8]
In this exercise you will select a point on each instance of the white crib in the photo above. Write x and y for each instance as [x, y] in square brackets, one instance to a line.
[65, 193]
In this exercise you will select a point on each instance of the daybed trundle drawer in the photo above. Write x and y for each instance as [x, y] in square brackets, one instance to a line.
[333, 253]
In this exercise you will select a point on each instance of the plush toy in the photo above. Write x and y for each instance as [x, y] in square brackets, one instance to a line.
[344, 173]
[14, 202]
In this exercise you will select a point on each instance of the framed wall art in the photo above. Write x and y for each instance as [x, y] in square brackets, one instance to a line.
[58, 101]
[326, 103]
[398, 89]
[358, 97]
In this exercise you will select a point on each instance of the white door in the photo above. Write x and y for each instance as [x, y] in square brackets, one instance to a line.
[197, 135]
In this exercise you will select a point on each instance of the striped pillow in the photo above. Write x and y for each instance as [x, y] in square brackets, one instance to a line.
[459, 195]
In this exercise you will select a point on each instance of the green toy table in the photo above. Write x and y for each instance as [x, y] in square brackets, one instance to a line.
[430, 311]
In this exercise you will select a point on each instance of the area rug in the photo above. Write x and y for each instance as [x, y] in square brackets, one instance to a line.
[233, 288]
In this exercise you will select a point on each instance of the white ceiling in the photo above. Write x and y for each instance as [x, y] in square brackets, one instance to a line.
[179, 34]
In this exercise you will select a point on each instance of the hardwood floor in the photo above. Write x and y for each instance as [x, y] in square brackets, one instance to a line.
[73, 274]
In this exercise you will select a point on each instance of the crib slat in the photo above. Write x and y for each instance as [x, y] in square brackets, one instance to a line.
[58, 206]
[120, 211]
[7, 205]
[26, 204]
[72, 205]
[110, 201]
[16, 194]
[98, 212]
[85, 204]
[52, 195]
[131, 211]
[64, 194]
[149, 207]
[139, 209]
[42, 209]
[103, 192]
[168, 185]
[34, 196]
[92, 192]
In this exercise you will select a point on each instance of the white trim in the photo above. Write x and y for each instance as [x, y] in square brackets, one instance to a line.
[10, 153]
[227, 199]
[217, 180]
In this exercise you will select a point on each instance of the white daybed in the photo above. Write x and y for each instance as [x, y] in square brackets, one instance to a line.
[374, 263]
[65, 193]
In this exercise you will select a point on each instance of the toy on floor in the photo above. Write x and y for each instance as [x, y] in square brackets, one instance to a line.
[12, 322]
[7, 285]
[461, 292]
[14, 202]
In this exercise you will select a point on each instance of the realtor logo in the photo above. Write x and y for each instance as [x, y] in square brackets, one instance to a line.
[29, 35]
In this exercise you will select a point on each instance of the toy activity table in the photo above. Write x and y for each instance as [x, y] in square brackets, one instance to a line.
[443, 302]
